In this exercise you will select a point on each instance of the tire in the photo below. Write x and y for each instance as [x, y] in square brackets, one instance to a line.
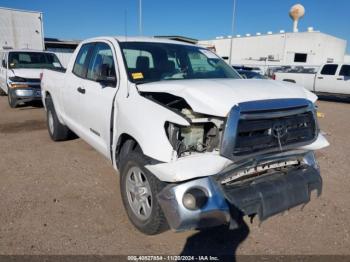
[13, 102]
[141, 202]
[57, 131]
[2, 92]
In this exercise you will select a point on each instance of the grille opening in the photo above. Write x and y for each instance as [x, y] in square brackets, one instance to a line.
[261, 134]
[246, 175]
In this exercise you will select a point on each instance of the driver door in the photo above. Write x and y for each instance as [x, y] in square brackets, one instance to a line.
[97, 102]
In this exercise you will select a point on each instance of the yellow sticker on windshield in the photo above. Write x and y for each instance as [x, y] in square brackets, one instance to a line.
[138, 75]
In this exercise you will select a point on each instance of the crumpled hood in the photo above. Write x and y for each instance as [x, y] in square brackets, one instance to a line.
[217, 96]
[26, 72]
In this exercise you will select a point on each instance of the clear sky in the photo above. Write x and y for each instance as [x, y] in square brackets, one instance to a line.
[201, 19]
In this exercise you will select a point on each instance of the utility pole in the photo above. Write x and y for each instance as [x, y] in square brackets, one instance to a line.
[140, 17]
[232, 29]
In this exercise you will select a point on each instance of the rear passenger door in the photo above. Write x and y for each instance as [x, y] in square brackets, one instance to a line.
[97, 102]
[326, 79]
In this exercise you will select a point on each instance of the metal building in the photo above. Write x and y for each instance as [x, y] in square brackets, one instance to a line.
[311, 48]
[20, 29]
[62, 48]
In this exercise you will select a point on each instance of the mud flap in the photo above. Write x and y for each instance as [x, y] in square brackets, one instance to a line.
[275, 193]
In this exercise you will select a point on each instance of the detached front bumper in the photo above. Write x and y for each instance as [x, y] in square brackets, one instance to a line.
[265, 196]
[275, 193]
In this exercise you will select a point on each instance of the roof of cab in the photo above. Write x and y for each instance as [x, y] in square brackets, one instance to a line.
[149, 39]
[137, 39]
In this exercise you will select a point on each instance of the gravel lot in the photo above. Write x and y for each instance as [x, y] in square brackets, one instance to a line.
[63, 198]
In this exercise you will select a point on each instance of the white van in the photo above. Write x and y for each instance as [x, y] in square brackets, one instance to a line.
[20, 74]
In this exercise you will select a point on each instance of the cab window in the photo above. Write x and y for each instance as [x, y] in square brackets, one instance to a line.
[345, 71]
[329, 69]
[80, 65]
[101, 62]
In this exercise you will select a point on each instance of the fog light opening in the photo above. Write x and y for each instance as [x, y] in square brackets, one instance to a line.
[194, 199]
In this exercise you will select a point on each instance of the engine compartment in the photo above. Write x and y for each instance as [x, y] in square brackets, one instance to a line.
[204, 133]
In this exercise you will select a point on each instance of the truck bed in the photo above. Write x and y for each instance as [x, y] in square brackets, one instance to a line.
[306, 80]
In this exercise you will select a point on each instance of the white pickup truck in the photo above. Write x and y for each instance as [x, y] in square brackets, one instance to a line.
[331, 79]
[195, 145]
[20, 74]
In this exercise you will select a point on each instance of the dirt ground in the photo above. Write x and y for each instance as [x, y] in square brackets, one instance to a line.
[63, 198]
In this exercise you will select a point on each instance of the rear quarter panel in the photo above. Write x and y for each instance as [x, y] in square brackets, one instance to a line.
[51, 84]
[305, 80]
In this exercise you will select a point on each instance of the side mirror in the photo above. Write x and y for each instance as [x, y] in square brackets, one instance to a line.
[3, 63]
[104, 76]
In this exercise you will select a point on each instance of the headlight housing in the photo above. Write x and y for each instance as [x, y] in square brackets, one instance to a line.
[199, 137]
[18, 85]
[17, 82]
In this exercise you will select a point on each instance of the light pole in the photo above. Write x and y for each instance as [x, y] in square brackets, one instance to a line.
[232, 29]
[140, 17]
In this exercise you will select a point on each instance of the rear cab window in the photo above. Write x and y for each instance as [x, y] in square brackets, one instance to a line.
[330, 69]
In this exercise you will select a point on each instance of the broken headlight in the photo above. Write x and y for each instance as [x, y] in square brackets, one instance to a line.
[203, 135]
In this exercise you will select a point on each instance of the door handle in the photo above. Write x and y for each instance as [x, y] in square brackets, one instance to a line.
[340, 78]
[320, 77]
[81, 90]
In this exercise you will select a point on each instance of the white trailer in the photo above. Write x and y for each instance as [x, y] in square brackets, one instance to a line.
[21, 29]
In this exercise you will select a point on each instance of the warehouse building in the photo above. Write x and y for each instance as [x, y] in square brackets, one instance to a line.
[311, 48]
[308, 49]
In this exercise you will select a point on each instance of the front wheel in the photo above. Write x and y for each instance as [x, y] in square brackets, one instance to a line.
[13, 102]
[139, 189]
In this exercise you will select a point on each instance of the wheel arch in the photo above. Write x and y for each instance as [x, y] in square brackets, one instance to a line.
[122, 139]
[46, 96]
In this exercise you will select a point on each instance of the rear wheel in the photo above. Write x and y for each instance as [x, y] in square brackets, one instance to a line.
[57, 131]
[139, 189]
[13, 102]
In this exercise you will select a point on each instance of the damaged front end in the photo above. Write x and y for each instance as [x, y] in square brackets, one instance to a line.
[253, 162]
[278, 184]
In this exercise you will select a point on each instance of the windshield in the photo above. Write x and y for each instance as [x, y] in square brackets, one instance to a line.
[33, 60]
[149, 62]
